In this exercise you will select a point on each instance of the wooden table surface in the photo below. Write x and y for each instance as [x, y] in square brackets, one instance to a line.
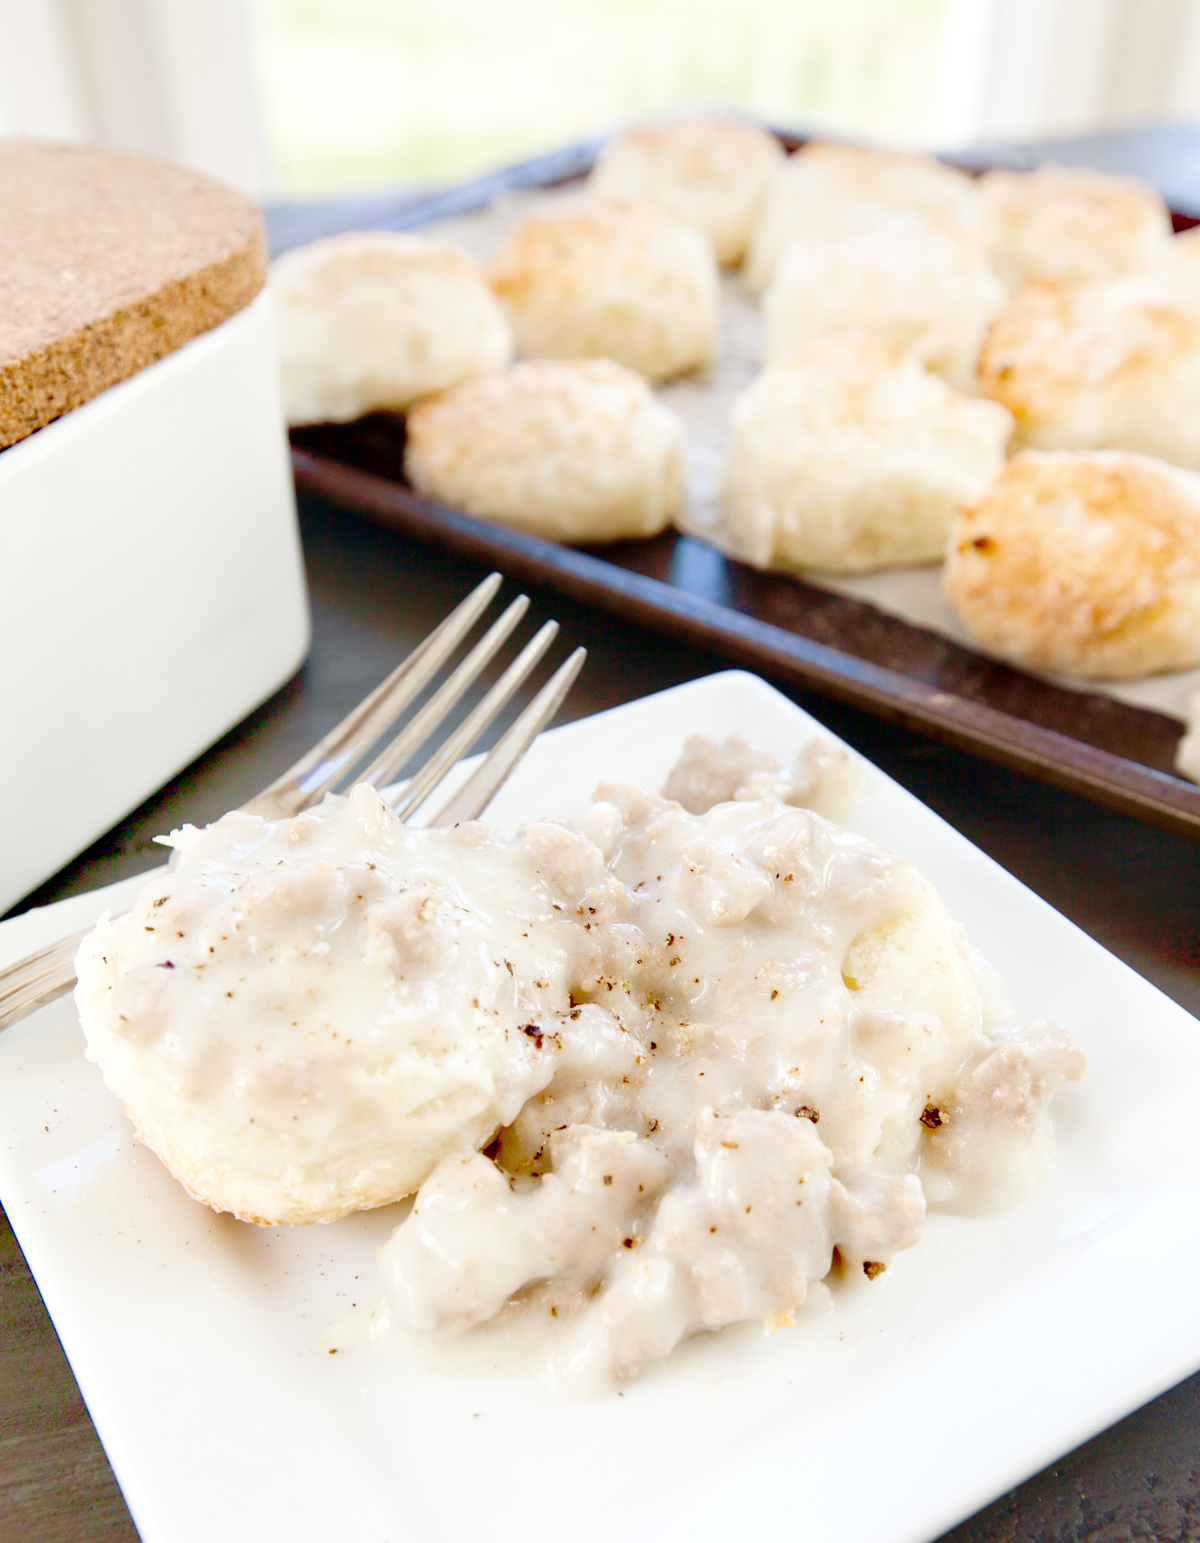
[1134, 888]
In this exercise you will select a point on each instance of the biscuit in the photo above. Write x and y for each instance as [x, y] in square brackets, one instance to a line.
[1084, 564]
[589, 277]
[908, 277]
[821, 178]
[376, 319]
[1100, 365]
[308, 1014]
[709, 173]
[851, 457]
[1070, 223]
[571, 450]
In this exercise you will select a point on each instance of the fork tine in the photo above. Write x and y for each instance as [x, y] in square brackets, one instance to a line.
[389, 762]
[317, 771]
[457, 744]
[49, 973]
[501, 760]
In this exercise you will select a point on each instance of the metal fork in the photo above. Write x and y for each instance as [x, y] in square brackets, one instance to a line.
[50, 972]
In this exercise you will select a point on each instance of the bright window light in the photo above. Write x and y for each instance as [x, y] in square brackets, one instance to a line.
[366, 93]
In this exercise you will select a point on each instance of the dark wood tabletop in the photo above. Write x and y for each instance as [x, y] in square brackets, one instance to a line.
[375, 593]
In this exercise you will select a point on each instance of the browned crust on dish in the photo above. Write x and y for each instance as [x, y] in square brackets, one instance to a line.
[108, 262]
[1083, 563]
[1056, 341]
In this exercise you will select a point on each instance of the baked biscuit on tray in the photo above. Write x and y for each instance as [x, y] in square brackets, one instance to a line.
[1071, 223]
[710, 173]
[851, 457]
[913, 279]
[376, 319]
[1084, 564]
[573, 450]
[822, 178]
[1101, 365]
[587, 277]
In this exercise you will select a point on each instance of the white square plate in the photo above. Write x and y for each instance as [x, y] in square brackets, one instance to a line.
[980, 1356]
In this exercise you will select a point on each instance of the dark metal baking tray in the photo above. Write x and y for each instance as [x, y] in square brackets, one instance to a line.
[1089, 744]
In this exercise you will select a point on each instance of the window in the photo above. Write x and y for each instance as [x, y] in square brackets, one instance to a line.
[361, 93]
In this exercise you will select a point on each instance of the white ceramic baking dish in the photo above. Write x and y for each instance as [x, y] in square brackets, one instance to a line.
[151, 589]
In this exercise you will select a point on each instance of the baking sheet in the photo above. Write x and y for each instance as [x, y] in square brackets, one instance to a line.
[705, 403]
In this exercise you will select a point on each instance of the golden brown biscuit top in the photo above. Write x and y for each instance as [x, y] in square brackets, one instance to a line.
[109, 261]
[866, 173]
[694, 148]
[564, 250]
[1105, 202]
[1055, 340]
[1081, 562]
[1085, 509]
